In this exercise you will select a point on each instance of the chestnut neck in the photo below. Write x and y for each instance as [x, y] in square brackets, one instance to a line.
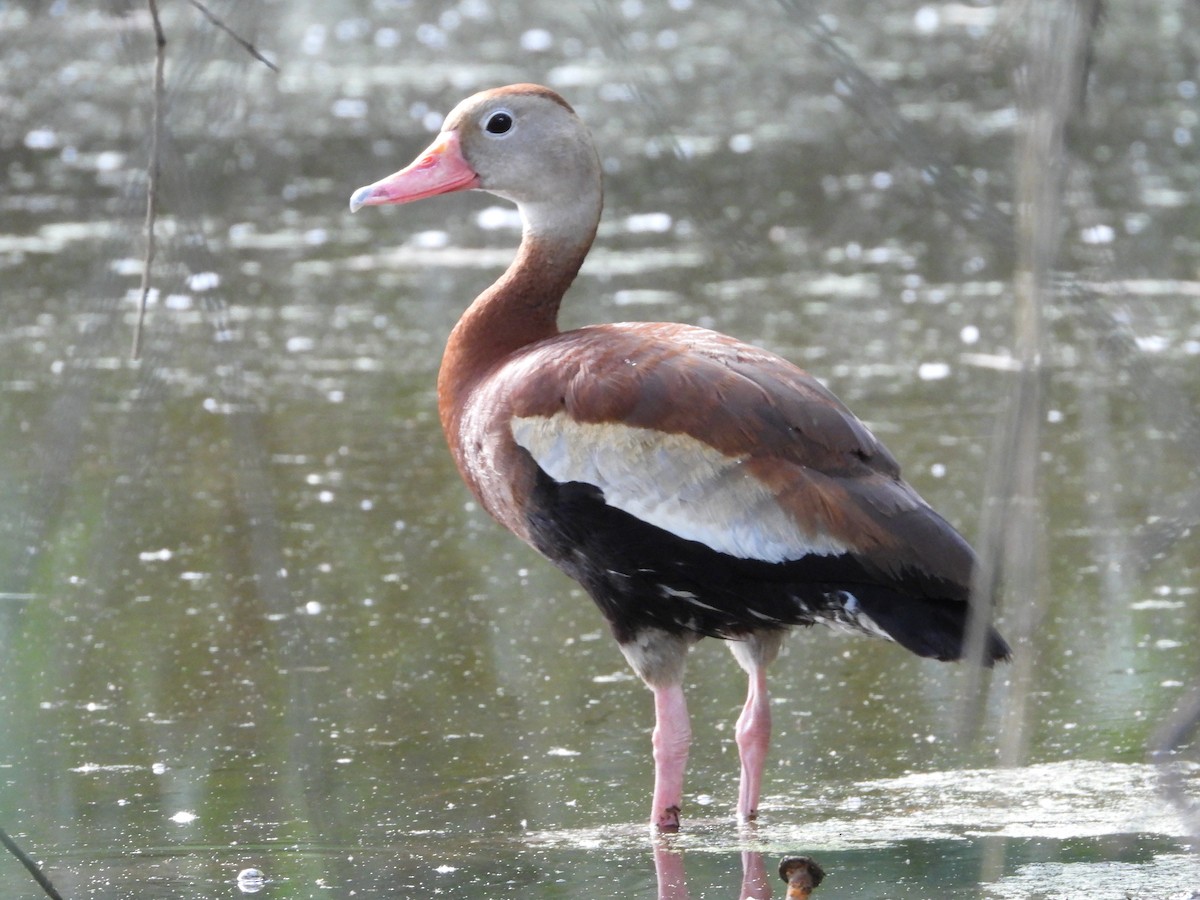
[519, 309]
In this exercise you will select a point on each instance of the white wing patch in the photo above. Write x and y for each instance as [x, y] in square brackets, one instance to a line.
[671, 481]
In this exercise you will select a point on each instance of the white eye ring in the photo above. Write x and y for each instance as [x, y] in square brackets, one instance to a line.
[499, 123]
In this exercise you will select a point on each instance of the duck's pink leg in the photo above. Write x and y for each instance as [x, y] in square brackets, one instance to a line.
[753, 731]
[753, 734]
[672, 738]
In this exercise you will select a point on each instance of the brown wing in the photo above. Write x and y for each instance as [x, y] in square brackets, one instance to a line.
[719, 442]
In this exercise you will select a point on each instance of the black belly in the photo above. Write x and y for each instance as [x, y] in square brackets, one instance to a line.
[644, 577]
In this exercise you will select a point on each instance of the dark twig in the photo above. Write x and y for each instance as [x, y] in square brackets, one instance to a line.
[30, 866]
[160, 55]
[246, 45]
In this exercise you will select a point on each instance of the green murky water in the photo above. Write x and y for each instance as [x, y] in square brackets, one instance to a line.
[248, 615]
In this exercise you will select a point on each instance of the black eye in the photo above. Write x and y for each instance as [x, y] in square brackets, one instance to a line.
[498, 123]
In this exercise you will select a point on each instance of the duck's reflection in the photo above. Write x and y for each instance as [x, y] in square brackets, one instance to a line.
[801, 873]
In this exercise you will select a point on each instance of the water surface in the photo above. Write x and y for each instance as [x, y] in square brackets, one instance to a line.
[249, 617]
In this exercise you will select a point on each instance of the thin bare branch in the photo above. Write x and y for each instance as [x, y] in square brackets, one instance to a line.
[246, 45]
[30, 866]
[160, 56]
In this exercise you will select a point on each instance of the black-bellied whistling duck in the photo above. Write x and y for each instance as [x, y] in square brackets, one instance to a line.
[693, 484]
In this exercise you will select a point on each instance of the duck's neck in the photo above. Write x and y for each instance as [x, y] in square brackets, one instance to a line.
[520, 309]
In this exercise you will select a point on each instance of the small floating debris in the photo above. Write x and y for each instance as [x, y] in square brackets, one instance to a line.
[251, 881]
[802, 875]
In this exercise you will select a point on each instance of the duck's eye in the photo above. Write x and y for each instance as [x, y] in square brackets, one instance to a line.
[499, 123]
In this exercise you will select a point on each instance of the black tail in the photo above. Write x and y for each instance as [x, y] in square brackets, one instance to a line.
[933, 628]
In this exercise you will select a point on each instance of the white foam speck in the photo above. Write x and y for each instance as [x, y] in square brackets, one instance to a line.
[927, 19]
[741, 143]
[655, 222]
[430, 240]
[349, 108]
[1154, 343]
[41, 139]
[109, 161]
[933, 371]
[496, 218]
[203, 281]
[300, 344]
[386, 38]
[537, 39]
[127, 266]
[1097, 234]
